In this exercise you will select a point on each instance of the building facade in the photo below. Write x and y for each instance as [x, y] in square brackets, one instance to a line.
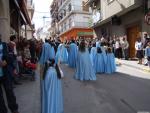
[54, 16]
[30, 29]
[120, 18]
[73, 20]
[13, 14]
[27, 31]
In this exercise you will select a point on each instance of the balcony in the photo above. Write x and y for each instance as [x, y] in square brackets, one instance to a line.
[71, 25]
[80, 24]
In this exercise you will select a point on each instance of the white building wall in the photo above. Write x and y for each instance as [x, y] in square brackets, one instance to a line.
[29, 34]
[77, 17]
[116, 6]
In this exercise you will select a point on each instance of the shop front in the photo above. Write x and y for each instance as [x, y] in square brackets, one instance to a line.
[77, 33]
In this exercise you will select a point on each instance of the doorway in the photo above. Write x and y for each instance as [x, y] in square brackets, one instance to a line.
[132, 34]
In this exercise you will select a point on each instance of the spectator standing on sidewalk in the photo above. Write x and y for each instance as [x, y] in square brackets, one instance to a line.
[147, 53]
[12, 51]
[139, 50]
[118, 49]
[33, 50]
[146, 39]
[125, 47]
[6, 82]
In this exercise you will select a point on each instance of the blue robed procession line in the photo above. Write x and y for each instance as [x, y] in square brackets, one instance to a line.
[72, 55]
[52, 100]
[46, 51]
[84, 68]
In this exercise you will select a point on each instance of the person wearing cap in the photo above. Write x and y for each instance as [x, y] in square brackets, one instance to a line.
[6, 82]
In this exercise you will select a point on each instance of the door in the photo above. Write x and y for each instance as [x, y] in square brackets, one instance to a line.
[133, 33]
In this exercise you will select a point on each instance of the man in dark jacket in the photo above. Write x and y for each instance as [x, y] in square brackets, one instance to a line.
[6, 82]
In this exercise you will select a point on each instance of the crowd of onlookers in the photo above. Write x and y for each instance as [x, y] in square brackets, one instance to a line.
[18, 59]
[120, 47]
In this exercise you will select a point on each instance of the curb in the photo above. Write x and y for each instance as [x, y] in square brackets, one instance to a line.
[140, 68]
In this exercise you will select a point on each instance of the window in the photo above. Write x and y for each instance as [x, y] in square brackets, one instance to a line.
[70, 22]
[64, 12]
[65, 26]
[109, 1]
[69, 7]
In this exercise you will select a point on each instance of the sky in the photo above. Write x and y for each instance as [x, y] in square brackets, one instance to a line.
[42, 8]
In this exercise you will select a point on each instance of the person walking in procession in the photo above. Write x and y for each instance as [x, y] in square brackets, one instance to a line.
[72, 54]
[84, 68]
[52, 99]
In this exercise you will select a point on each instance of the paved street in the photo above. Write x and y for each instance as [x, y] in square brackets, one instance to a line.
[118, 93]
[122, 92]
[28, 96]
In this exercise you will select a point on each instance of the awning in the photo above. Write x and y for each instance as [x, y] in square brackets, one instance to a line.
[24, 11]
[21, 5]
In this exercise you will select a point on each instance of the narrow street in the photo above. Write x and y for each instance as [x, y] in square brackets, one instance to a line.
[121, 92]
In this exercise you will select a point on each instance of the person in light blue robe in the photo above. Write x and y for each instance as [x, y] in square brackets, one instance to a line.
[110, 65]
[52, 54]
[58, 57]
[72, 55]
[93, 53]
[46, 52]
[99, 61]
[52, 99]
[64, 54]
[84, 68]
[98, 43]
[104, 56]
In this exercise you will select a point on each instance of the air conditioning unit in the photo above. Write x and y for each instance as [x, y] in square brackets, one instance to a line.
[115, 20]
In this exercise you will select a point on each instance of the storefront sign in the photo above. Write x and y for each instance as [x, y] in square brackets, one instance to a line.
[85, 33]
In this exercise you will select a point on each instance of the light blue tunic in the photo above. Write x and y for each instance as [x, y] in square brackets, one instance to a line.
[62, 54]
[110, 65]
[46, 53]
[52, 100]
[99, 63]
[147, 52]
[72, 55]
[92, 54]
[84, 68]
[52, 54]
